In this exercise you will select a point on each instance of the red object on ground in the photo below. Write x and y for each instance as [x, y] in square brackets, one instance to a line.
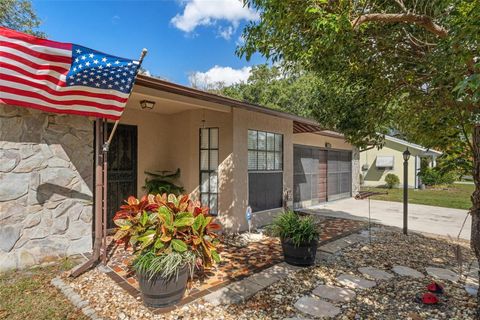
[435, 287]
[429, 298]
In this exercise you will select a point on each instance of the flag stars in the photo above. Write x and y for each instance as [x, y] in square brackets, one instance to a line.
[98, 70]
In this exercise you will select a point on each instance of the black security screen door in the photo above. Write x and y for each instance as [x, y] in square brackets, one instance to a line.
[122, 168]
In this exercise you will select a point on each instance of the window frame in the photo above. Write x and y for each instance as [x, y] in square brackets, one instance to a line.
[275, 151]
[209, 171]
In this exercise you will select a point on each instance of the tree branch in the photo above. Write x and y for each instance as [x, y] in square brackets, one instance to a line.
[424, 21]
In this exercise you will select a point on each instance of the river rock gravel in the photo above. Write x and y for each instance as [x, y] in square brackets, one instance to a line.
[393, 298]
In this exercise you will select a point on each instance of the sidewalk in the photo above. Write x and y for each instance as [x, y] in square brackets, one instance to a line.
[428, 219]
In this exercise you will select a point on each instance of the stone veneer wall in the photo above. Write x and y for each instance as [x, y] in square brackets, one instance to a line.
[46, 178]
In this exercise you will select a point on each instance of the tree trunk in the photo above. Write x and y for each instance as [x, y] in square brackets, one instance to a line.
[475, 211]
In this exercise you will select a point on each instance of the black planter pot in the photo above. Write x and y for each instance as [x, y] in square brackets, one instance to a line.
[159, 292]
[299, 256]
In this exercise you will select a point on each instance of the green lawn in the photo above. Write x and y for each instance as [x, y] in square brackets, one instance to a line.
[456, 196]
[28, 295]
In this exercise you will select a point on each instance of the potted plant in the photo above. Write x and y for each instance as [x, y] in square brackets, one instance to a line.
[299, 237]
[171, 236]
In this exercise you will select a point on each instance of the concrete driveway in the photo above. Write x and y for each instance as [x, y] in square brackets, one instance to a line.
[428, 219]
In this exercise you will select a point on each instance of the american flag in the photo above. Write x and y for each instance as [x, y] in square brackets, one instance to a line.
[63, 77]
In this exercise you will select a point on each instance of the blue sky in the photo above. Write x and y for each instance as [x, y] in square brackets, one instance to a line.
[182, 36]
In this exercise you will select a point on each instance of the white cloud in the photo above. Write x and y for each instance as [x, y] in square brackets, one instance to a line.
[226, 33]
[208, 12]
[218, 76]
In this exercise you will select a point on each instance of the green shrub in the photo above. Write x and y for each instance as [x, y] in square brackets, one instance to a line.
[290, 227]
[167, 232]
[433, 176]
[163, 182]
[392, 180]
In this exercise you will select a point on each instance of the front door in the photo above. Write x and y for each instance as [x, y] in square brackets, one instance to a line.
[122, 168]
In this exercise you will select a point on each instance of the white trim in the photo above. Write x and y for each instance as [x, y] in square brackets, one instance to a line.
[413, 146]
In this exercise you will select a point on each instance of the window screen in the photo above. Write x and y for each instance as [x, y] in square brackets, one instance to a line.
[265, 165]
[209, 168]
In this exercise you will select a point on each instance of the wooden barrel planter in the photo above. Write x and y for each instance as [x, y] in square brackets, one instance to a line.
[159, 292]
[303, 255]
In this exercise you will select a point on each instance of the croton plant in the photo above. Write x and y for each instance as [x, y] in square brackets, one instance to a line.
[161, 227]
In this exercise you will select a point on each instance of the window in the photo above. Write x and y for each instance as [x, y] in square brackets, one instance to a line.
[385, 162]
[265, 151]
[265, 165]
[209, 168]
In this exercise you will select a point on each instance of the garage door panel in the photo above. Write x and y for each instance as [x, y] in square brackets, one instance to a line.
[309, 180]
[339, 174]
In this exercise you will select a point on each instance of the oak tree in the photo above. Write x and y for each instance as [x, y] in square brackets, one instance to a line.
[412, 64]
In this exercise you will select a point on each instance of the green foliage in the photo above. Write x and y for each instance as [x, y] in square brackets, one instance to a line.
[376, 76]
[289, 226]
[164, 265]
[392, 180]
[435, 176]
[457, 157]
[276, 89]
[19, 15]
[162, 182]
[167, 232]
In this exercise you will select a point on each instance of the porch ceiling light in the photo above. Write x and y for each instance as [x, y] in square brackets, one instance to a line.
[146, 104]
[406, 155]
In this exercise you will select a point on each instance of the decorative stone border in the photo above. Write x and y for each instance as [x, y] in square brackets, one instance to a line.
[75, 298]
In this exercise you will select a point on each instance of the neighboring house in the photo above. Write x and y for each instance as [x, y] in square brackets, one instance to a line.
[231, 155]
[376, 163]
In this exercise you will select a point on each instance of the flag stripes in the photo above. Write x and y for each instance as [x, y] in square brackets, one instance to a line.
[33, 73]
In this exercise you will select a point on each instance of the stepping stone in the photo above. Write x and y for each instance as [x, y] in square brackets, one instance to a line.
[442, 274]
[334, 294]
[316, 307]
[471, 289]
[342, 243]
[407, 272]
[234, 293]
[355, 282]
[375, 273]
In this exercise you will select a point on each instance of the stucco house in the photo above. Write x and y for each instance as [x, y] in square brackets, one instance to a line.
[231, 154]
[376, 163]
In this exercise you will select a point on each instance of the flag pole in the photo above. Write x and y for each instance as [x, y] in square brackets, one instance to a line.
[106, 147]
[101, 189]
[109, 140]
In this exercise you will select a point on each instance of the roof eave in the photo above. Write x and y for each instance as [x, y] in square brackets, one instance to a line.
[155, 83]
